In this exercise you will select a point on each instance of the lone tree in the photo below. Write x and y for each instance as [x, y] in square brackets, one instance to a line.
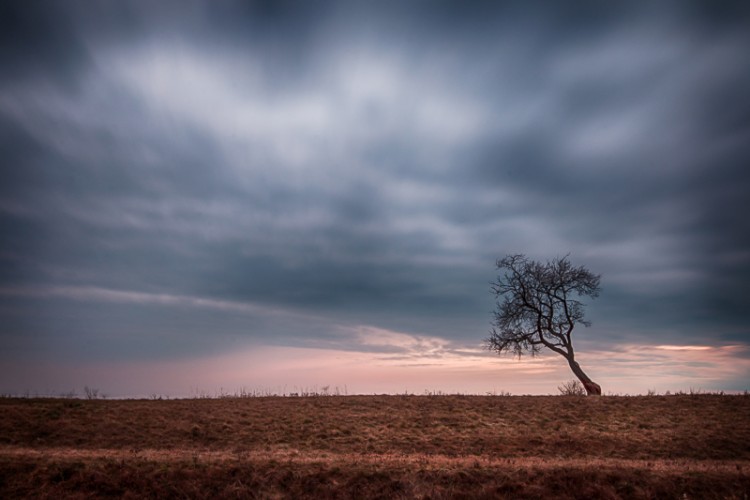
[536, 309]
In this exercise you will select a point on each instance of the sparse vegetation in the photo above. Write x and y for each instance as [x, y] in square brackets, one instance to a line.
[92, 393]
[378, 446]
[571, 388]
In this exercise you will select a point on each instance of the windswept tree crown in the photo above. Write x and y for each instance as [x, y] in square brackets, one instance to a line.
[537, 305]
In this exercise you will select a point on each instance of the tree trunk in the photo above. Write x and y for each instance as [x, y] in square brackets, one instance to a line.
[592, 388]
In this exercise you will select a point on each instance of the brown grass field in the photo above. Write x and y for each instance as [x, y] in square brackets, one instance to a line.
[686, 446]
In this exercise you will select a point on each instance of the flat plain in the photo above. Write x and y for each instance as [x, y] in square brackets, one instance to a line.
[677, 446]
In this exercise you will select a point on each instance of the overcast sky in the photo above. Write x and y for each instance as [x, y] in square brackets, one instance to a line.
[199, 194]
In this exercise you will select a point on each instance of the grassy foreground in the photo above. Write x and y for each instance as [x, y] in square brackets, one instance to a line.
[689, 446]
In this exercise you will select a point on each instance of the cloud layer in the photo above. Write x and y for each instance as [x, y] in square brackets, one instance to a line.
[181, 179]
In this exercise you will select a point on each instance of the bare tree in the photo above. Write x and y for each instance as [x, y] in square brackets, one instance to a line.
[536, 308]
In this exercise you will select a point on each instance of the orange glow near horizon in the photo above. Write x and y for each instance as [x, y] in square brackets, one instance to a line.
[683, 347]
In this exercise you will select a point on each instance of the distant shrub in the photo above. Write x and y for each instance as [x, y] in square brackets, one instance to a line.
[92, 393]
[571, 388]
[504, 394]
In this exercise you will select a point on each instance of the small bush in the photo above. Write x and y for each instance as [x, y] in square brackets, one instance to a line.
[571, 388]
[91, 392]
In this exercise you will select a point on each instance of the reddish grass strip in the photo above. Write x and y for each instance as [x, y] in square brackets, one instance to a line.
[422, 460]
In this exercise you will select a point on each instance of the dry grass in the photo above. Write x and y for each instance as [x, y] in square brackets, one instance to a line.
[371, 446]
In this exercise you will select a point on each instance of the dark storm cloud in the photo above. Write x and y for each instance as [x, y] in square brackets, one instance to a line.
[37, 40]
[366, 163]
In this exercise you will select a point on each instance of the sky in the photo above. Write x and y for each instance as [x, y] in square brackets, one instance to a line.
[201, 197]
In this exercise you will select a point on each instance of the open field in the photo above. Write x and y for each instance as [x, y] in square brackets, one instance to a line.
[689, 446]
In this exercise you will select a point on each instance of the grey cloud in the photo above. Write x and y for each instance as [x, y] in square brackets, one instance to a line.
[39, 41]
[369, 163]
